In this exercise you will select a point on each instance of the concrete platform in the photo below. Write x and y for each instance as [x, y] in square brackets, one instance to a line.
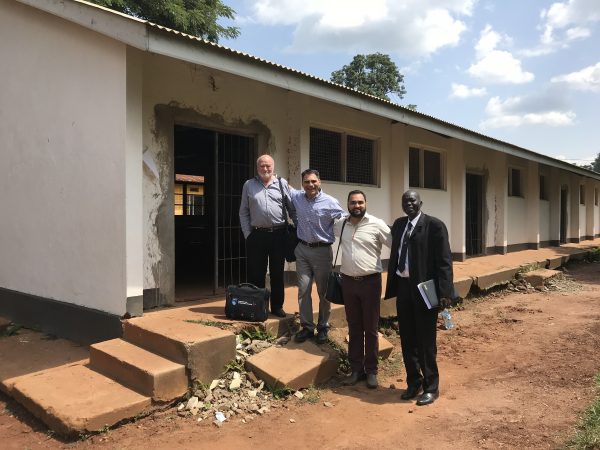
[537, 277]
[204, 350]
[138, 369]
[29, 351]
[491, 279]
[295, 365]
[73, 399]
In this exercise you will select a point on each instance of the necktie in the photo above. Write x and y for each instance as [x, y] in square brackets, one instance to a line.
[404, 249]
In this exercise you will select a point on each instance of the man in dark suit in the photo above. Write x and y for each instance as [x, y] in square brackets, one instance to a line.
[420, 251]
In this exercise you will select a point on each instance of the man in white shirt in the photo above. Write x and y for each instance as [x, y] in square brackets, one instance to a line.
[361, 240]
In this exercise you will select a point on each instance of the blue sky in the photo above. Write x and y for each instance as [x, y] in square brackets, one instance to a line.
[523, 71]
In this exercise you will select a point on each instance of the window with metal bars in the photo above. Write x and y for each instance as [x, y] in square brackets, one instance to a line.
[425, 168]
[343, 157]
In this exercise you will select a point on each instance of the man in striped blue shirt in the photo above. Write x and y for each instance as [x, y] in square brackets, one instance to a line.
[316, 213]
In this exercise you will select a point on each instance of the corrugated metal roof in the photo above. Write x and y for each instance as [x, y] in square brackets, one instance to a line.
[351, 91]
[404, 113]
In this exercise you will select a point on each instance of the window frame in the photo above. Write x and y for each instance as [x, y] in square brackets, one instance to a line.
[344, 134]
[442, 166]
[511, 193]
[582, 194]
[595, 196]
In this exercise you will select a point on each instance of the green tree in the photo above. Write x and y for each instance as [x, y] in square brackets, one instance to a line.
[374, 74]
[195, 17]
[595, 165]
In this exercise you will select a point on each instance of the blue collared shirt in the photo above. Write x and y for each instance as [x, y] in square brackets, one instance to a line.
[316, 216]
[262, 206]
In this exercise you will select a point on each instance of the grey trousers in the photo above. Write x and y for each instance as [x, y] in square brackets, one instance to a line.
[313, 264]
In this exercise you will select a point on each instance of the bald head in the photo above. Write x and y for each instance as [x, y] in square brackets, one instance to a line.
[411, 203]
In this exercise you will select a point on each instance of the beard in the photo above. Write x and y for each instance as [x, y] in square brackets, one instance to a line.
[358, 212]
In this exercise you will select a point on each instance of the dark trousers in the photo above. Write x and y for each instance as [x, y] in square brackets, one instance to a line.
[262, 248]
[362, 301]
[418, 337]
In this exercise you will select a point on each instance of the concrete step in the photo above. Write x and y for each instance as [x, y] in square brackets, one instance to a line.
[141, 370]
[537, 277]
[295, 365]
[29, 351]
[204, 350]
[75, 399]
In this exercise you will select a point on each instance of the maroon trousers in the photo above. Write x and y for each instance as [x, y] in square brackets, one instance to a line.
[362, 301]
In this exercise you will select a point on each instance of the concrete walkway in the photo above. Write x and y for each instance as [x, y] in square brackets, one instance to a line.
[53, 377]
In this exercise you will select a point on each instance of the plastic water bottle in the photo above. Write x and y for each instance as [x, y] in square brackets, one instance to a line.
[448, 323]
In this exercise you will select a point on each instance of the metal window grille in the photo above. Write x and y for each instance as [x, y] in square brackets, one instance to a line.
[326, 154]
[360, 157]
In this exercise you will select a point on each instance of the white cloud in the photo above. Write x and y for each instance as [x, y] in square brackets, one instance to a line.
[497, 66]
[563, 22]
[411, 27]
[587, 79]
[533, 110]
[463, 91]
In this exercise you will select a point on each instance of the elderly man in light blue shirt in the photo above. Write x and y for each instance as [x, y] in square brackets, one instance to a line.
[316, 213]
[263, 219]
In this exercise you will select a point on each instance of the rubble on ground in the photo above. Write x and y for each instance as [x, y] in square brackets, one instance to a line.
[237, 394]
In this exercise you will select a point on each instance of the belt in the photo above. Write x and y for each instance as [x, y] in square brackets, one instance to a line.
[315, 244]
[270, 229]
[361, 278]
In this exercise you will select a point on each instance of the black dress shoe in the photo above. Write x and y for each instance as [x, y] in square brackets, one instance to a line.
[303, 335]
[411, 392]
[321, 336]
[427, 398]
[354, 378]
[372, 381]
[279, 312]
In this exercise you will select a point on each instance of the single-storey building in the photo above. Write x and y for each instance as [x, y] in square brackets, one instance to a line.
[124, 146]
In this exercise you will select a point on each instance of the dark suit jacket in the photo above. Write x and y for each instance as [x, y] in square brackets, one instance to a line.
[429, 253]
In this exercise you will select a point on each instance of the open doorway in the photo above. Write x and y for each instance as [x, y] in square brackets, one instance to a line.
[474, 214]
[564, 215]
[210, 170]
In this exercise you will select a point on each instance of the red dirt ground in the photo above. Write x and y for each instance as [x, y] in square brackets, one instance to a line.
[516, 373]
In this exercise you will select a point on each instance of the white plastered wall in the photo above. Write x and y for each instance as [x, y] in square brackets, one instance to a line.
[62, 167]
[518, 216]
[279, 119]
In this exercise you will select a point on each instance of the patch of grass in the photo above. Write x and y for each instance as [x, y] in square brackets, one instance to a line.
[11, 330]
[256, 333]
[594, 255]
[234, 366]
[280, 392]
[587, 436]
[209, 323]
[312, 395]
